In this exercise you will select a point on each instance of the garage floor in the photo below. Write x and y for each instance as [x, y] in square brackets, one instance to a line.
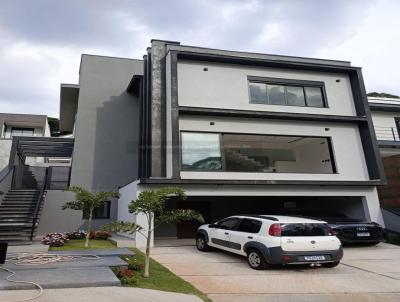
[366, 274]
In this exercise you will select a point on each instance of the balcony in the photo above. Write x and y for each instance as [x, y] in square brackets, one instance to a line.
[388, 137]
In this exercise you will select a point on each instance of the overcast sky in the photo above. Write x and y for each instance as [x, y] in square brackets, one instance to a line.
[41, 41]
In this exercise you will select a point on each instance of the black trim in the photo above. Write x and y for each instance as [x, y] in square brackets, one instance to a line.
[202, 111]
[397, 122]
[276, 254]
[384, 107]
[135, 85]
[388, 144]
[174, 181]
[224, 243]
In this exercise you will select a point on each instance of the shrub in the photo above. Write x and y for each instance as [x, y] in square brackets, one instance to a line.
[54, 239]
[103, 235]
[76, 235]
[134, 265]
[125, 273]
[92, 235]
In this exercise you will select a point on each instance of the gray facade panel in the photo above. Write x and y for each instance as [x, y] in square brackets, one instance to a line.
[107, 124]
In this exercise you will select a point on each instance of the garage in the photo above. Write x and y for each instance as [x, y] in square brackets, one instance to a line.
[214, 208]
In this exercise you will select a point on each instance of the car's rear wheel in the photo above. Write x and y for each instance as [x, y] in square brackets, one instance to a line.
[331, 264]
[201, 243]
[256, 260]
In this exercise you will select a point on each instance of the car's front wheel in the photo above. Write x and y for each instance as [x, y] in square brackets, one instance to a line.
[256, 260]
[331, 264]
[201, 244]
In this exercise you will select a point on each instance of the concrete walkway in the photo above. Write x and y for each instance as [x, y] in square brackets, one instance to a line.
[366, 274]
[81, 272]
[99, 294]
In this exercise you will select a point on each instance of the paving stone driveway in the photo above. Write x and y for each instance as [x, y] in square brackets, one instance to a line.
[365, 274]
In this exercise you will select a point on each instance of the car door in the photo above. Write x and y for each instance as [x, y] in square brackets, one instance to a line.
[220, 233]
[246, 231]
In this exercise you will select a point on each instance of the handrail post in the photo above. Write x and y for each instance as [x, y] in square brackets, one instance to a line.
[394, 136]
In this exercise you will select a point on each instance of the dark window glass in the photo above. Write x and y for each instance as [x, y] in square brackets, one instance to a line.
[276, 95]
[285, 94]
[249, 226]
[314, 97]
[101, 212]
[201, 151]
[304, 229]
[295, 96]
[228, 224]
[258, 93]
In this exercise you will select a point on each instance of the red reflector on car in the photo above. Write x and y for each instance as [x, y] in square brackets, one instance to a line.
[286, 257]
[275, 229]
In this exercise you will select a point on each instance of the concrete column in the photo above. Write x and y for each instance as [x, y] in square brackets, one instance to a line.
[372, 206]
[140, 240]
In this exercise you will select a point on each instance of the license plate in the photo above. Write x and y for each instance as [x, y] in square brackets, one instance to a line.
[363, 234]
[314, 258]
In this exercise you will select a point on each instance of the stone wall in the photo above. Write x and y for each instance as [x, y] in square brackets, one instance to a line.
[389, 195]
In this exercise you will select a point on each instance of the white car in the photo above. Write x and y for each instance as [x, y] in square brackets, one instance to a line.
[273, 239]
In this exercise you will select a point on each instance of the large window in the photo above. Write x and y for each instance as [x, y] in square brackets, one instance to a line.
[201, 151]
[256, 153]
[21, 131]
[289, 93]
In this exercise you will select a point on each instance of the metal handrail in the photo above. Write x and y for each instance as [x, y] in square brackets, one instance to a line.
[39, 201]
[5, 172]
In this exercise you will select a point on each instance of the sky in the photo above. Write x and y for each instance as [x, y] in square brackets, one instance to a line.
[41, 41]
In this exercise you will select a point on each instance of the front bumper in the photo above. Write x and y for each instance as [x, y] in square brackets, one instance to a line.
[279, 256]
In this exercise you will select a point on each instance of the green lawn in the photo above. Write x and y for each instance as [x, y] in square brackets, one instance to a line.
[79, 244]
[163, 279]
[160, 277]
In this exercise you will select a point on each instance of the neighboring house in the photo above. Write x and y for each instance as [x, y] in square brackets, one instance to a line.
[19, 125]
[240, 132]
[386, 119]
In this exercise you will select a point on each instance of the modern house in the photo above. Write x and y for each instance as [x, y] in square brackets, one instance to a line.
[240, 132]
[386, 119]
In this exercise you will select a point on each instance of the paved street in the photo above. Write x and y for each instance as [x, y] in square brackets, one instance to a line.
[365, 274]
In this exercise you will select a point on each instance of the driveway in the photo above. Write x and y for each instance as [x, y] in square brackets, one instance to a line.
[365, 274]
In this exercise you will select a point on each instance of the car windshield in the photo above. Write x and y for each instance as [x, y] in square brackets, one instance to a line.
[304, 229]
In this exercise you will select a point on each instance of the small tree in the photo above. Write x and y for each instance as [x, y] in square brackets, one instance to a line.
[87, 201]
[151, 203]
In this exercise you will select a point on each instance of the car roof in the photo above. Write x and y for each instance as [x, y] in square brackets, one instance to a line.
[281, 218]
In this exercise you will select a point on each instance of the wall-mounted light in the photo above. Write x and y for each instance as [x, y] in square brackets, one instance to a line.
[205, 69]
[212, 123]
[327, 129]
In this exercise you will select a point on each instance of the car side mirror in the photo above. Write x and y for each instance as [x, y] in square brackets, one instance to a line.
[213, 225]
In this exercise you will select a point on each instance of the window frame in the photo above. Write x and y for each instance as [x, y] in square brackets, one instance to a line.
[220, 150]
[289, 82]
[85, 215]
[238, 220]
[251, 219]
[21, 129]
[223, 159]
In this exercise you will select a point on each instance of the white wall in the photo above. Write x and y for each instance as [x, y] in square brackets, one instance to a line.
[5, 148]
[226, 86]
[346, 143]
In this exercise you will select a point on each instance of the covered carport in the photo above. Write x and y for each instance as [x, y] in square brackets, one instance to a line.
[216, 202]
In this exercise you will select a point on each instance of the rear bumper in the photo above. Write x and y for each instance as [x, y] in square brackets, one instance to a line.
[278, 256]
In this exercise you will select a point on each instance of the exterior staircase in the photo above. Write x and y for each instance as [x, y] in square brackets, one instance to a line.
[19, 215]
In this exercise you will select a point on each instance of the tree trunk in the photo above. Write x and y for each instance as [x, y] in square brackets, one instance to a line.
[148, 242]
[89, 228]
